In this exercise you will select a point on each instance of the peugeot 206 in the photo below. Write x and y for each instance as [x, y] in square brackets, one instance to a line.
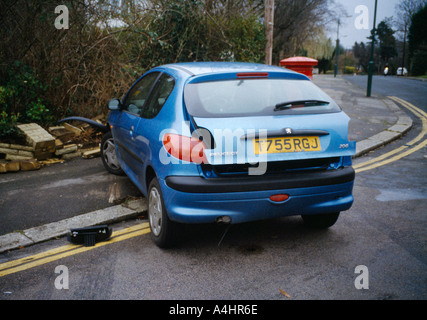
[227, 142]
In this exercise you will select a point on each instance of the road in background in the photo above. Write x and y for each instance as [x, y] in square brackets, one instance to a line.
[411, 90]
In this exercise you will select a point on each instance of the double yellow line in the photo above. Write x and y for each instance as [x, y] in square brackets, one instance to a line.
[69, 250]
[402, 151]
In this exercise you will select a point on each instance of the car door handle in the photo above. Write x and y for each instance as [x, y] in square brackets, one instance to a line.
[131, 130]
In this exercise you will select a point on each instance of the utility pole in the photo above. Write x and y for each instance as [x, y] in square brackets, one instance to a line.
[404, 48]
[337, 49]
[371, 62]
[269, 27]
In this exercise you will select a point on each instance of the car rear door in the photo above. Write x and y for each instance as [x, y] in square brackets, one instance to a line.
[146, 134]
[126, 127]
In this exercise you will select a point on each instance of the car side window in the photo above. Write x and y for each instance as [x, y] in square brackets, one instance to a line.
[158, 97]
[138, 95]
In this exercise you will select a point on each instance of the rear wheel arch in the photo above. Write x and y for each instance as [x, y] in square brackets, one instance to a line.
[150, 174]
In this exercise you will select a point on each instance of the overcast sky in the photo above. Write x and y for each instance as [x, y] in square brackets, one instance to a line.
[349, 33]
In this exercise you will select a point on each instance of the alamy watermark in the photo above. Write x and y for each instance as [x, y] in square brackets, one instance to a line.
[62, 280]
[362, 280]
[361, 22]
[61, 21]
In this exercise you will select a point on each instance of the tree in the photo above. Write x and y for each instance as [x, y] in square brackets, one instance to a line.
[294, 23]
[362, 53]
[405, 9]
[322, 49]
[195, 30]
[324, 64]
[417, 42]
[387, 42]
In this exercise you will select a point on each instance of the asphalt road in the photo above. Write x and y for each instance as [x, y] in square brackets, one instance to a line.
[411, 90]
[60, 191]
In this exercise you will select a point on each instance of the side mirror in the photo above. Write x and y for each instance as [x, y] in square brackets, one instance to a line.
[114, 104]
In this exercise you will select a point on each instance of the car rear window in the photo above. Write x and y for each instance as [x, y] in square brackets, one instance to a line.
[255, 97]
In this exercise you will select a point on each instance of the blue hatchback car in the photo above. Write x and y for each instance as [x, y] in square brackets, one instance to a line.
[210, 142]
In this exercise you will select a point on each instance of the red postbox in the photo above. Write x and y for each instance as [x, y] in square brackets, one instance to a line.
[302, 65]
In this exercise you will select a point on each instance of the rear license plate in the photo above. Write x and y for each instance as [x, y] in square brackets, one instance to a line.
[286, 144]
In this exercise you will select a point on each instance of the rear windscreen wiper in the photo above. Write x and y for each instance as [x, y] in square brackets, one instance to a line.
[306, 103]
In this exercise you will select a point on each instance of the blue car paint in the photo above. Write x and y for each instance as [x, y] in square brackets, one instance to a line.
[139, 144]
[251, 206]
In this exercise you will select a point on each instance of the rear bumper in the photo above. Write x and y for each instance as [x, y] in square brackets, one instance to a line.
[198, 201]
[197, 184]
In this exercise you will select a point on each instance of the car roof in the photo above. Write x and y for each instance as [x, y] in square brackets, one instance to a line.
[202, 68]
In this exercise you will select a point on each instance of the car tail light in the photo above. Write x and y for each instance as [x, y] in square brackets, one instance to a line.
[279, 197]
[252, 75]
[185, 148]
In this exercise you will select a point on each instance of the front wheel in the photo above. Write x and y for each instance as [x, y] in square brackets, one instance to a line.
[163, 230]
[321, 221]
[109, 155]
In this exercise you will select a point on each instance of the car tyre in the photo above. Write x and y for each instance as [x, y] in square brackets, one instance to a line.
[163, 230]
[109, 155]
[321, 221]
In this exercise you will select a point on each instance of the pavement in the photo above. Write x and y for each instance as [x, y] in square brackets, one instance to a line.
[375, 121]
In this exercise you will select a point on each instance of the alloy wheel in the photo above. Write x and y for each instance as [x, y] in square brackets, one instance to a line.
[155, 211]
